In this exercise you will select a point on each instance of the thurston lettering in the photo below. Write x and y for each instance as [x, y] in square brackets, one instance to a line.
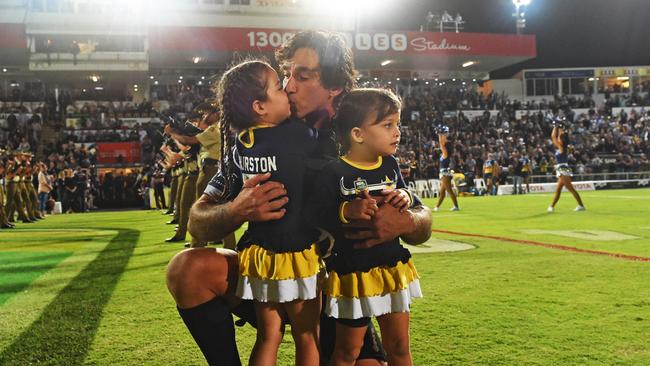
[263, 164]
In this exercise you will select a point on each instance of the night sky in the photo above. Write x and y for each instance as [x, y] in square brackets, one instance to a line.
[570, 33]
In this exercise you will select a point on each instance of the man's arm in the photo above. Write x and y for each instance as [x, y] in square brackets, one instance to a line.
[413, 226]
[258, 200]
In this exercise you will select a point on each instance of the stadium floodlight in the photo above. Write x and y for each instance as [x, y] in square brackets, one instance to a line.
[468, 63]
[519, 14]
[94, 78]
[196, 60]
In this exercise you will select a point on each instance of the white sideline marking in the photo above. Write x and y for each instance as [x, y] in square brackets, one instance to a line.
[435, 245]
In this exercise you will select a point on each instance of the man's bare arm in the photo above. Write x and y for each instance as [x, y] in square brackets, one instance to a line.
[258, 201]
[211, 221]
[422, 221]
[413, 226]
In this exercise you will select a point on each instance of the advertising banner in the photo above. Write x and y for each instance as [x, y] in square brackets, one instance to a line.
[118, 152]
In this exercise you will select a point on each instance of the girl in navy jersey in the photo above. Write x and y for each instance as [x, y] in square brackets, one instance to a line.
[379, 281]
[562, 170]
[279, 267]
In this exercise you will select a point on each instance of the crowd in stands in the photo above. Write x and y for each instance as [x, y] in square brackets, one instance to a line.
[601, 142]
[595, 136]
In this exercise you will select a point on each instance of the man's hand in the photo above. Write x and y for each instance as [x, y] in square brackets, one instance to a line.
[260, 200]
[397, 198]
[387, 224]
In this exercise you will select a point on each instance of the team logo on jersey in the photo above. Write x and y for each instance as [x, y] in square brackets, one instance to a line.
[360, 185]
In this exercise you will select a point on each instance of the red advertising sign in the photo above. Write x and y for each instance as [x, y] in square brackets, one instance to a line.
[119, 152]
[12, 35]
[412, 43]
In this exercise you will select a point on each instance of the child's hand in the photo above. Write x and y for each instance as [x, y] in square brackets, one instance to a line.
[361, 208]
[398, 198]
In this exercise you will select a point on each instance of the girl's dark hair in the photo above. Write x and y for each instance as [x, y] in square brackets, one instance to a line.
[334, 58]
[238, 88]
[359, 105]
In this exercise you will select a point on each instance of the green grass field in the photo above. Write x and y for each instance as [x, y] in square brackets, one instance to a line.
[90, 289]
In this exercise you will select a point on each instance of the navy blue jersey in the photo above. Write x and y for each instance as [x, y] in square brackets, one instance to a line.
[343, 181]
[283, 151]
[444, 162]
[562, 156]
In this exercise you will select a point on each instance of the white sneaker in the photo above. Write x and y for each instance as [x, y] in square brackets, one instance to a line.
[436, 209]
[455, 208]
[550, 209]
[579, 208]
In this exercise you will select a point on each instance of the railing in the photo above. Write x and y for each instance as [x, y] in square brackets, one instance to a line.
[549, 178]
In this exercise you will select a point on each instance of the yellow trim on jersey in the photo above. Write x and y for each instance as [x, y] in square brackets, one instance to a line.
[342, 212]
[376, 282]
[260, 263]
[251, 140]
[364, 167]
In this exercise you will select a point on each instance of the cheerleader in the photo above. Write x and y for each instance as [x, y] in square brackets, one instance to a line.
[446, 174]
[562, 171]
[380, 281]
[279, 267]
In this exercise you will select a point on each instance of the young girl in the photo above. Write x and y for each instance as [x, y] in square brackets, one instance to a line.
[446, 174]
[562, 170]
[379, 281]
[278, 264]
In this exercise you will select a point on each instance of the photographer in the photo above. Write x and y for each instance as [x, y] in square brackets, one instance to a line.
[209, 154]
[185, 138]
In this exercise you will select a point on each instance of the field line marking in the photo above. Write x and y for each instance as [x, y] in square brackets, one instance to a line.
[548, 245]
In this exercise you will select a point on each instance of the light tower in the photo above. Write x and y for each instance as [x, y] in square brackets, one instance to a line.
[519, 15]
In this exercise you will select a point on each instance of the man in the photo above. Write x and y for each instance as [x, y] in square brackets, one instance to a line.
[318, 72]
[517, 173]
[491, 170]
[4, 222]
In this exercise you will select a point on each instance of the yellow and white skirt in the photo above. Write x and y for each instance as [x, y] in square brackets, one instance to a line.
[266, 276]
[379, 291]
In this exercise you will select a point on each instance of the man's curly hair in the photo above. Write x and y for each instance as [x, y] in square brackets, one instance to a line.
[334, 57]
